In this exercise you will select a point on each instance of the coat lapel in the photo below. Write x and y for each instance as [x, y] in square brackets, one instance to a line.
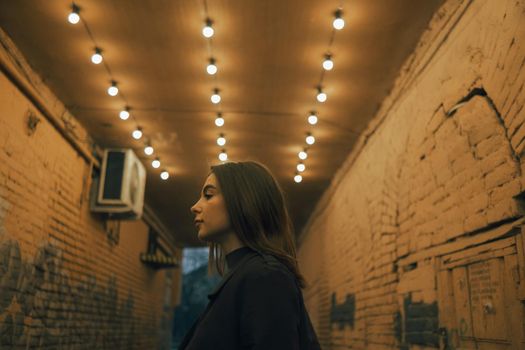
[229, 275]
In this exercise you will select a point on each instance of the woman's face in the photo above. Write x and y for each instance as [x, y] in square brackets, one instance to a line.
[211, 217]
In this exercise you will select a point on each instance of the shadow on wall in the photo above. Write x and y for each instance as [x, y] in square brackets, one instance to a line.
[41, 305]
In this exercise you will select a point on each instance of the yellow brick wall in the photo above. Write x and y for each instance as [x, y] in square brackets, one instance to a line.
[436, 173]
[63, 284]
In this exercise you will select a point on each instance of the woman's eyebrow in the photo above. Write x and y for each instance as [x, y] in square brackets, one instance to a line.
[208, 187]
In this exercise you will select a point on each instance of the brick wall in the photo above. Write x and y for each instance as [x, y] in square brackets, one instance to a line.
[63, 283]
[418, 243]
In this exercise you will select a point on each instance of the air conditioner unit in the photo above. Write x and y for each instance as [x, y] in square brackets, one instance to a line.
[119, 191]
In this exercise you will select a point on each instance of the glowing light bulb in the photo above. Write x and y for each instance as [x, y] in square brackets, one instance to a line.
[301, 167]
[338, 22]
[223, 156]
[137, 133]
[321, 96]
[113, 89]
[97, 56]
[219, 121]
[303, 155]
[310, 139]
[328, 64]
[212, 67]
[215, 98]
[155, 163]
[164, 175]
[148, 150]
[221, 140]
[298, 178]
[208, 31]
[124, 114]
[74, 17]
[312, 118]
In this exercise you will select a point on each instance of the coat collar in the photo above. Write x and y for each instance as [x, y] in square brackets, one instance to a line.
[231, 272]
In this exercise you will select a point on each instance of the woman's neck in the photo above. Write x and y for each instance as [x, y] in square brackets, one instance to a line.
[230, 243]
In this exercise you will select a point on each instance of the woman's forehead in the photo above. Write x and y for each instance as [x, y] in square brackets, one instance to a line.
[211, 181]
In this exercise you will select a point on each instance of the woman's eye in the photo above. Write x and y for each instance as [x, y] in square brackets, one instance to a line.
[207, 196]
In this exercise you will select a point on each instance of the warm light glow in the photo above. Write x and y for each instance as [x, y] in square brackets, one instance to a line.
[298, 178]
[339, 22]
[208, 31]
[310, 139]
[113, 89]
[312, 119]
[148, 150]
[124, 114]
[97, 57]
[215, 98]
[223, 156]
[303, 155]
[155, 163]
[137, 134]
[211, 68]
[321, 96]
[164, 175]
[73, 17]
[221, 140]
[301, 167]
[219, 121]
[328, 64]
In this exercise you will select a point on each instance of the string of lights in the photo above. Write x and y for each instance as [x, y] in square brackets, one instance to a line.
[327, 65]
[208, 32]
[113, 90]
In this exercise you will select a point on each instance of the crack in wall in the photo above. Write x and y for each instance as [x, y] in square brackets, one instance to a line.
[480, 91]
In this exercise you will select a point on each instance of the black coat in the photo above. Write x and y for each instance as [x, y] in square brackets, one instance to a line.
[258, 305]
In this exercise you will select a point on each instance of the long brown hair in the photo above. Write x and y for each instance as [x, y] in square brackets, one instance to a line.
[258, 214]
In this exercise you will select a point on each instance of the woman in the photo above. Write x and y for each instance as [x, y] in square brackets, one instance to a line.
[258, 304]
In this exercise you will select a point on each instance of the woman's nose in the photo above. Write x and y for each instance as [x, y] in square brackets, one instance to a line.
[194, 209]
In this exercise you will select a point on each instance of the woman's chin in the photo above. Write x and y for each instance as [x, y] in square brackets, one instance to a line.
[203, 236]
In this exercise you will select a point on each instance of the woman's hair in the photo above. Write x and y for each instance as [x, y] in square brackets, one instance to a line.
[257, 212]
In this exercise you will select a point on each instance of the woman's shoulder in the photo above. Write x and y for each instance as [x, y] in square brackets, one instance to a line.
[266, 270]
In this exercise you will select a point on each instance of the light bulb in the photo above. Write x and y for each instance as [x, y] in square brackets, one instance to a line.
[328, 64]
[301, 167]
[321, 96]
[124, 114]
[221, 140]
[310, 139]
[137, 133]
[211, 68]
[208, 31]
[155, 163]
[73, 17]
[303, 155]
[215, 98]
[97, 56]
[223, 156]
[219, 121]
[312, 119]
[164, 175]
[148, 150]
[338, 22]
[113, 89]
[298, 178]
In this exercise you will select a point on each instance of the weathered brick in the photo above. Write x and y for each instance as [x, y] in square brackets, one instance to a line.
[501, 175]
[69, 278]
[473, 172]
[487, 146]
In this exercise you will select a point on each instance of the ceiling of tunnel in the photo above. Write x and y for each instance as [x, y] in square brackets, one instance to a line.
[269, 56]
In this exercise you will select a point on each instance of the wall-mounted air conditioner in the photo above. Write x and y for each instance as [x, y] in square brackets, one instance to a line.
[119, 191]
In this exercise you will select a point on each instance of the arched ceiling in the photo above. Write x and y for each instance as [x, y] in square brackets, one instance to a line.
[269, 56]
